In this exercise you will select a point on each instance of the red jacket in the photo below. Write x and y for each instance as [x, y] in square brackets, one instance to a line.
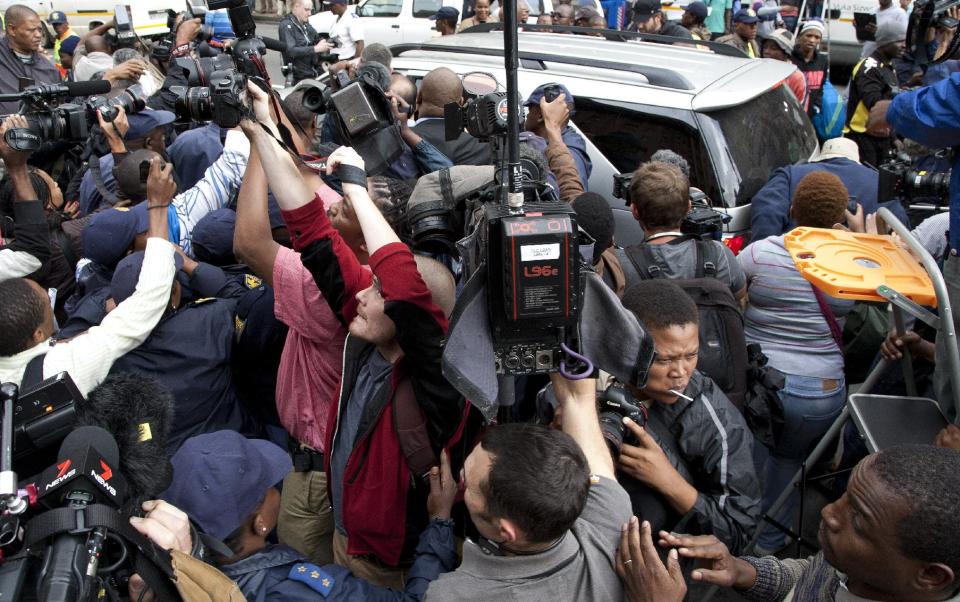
[376, 480]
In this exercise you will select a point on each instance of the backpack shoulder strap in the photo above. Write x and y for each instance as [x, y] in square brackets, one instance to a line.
[708, 259]
[411, 428]
[33, 373]
[642, 258]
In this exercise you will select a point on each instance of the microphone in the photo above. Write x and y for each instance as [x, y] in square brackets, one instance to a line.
[84, 453]
[273, 44]
[87, 88]
[84, 470]
[138, 411]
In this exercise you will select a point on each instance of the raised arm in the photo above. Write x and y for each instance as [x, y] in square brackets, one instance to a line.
[578, 402]
[253, 242]
[88, 357]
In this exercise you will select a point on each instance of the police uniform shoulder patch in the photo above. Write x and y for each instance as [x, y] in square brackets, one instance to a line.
[313, 576]
[251, 282]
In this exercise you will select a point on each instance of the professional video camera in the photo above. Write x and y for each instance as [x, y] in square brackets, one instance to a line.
[65, 534]
[125, 35]
[50, 119]
[898, 179]
[614, 404]
[362, 114]
[531, 303]
[702, 221]
[927, 14]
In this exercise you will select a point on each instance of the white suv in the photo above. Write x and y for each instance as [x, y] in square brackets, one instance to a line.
[731, 117]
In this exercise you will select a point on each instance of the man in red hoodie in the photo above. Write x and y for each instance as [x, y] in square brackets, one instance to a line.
[396, 328]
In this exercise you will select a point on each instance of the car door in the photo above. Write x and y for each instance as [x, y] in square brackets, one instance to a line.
[383, 20]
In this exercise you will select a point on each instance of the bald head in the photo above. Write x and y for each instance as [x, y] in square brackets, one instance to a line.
[439, 87]
[96, 44]
[403, 86]
[440, 281]
[17, 14]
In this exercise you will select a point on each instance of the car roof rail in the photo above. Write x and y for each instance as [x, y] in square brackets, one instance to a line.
[616, 35]
[656, 76]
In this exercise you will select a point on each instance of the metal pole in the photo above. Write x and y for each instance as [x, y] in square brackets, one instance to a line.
[947, 329]
[511, 63]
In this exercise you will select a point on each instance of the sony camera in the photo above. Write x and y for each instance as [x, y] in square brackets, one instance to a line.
[613, 405]
[897, 179]
[702, 221]
[49, 119]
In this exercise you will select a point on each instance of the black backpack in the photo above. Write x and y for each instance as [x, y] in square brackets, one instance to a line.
[723, 348]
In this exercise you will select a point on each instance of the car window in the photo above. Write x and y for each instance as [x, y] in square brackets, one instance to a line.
[628, 134]
[426, 8]
[381, 8]
[767, 132]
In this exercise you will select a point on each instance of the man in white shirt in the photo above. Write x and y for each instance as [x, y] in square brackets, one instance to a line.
[887, 11]
[26, 319]
[347, 30]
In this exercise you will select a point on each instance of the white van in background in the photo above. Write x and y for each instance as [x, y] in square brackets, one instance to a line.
[149, 16]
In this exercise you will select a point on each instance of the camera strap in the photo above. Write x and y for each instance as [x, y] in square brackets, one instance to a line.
[106, 193]
[152, 563]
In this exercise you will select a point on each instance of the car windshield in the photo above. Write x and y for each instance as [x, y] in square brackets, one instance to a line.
[763, 134]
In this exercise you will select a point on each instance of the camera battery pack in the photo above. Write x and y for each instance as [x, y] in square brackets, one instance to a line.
[534, 287]
[537, 252]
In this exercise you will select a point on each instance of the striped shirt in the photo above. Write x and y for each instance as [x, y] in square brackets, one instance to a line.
[217, 187]
[783, 315]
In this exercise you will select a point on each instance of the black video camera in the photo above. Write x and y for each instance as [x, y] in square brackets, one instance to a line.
[613, 405]
[49, 119]
[124, 26]
[362, 114]
[897, 179]
[702, 221]
[65, 533]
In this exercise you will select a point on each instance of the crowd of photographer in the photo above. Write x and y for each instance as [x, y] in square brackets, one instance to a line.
[289, 342]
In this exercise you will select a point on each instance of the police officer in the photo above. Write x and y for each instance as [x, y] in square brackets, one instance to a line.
[190, 351]
[243, 473]
[302, 41]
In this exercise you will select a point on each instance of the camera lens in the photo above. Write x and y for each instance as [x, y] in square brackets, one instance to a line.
[611, 425]
[194, 104]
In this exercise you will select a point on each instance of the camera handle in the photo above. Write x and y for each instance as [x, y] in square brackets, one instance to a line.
[10, 497]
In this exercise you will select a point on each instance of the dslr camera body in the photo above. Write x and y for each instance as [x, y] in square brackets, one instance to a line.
[613, 405]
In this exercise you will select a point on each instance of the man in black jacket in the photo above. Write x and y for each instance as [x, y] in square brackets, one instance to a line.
[439, 87]
[302, 41]
[20, 56]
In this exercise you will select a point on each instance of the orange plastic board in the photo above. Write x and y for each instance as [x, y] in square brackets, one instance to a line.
[851, 266]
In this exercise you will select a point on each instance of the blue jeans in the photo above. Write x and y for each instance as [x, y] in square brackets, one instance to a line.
[808, 412]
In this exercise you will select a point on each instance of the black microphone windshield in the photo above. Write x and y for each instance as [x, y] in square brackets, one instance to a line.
[84, 437]
[88, 88]
[275, 45]
[138, 411]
